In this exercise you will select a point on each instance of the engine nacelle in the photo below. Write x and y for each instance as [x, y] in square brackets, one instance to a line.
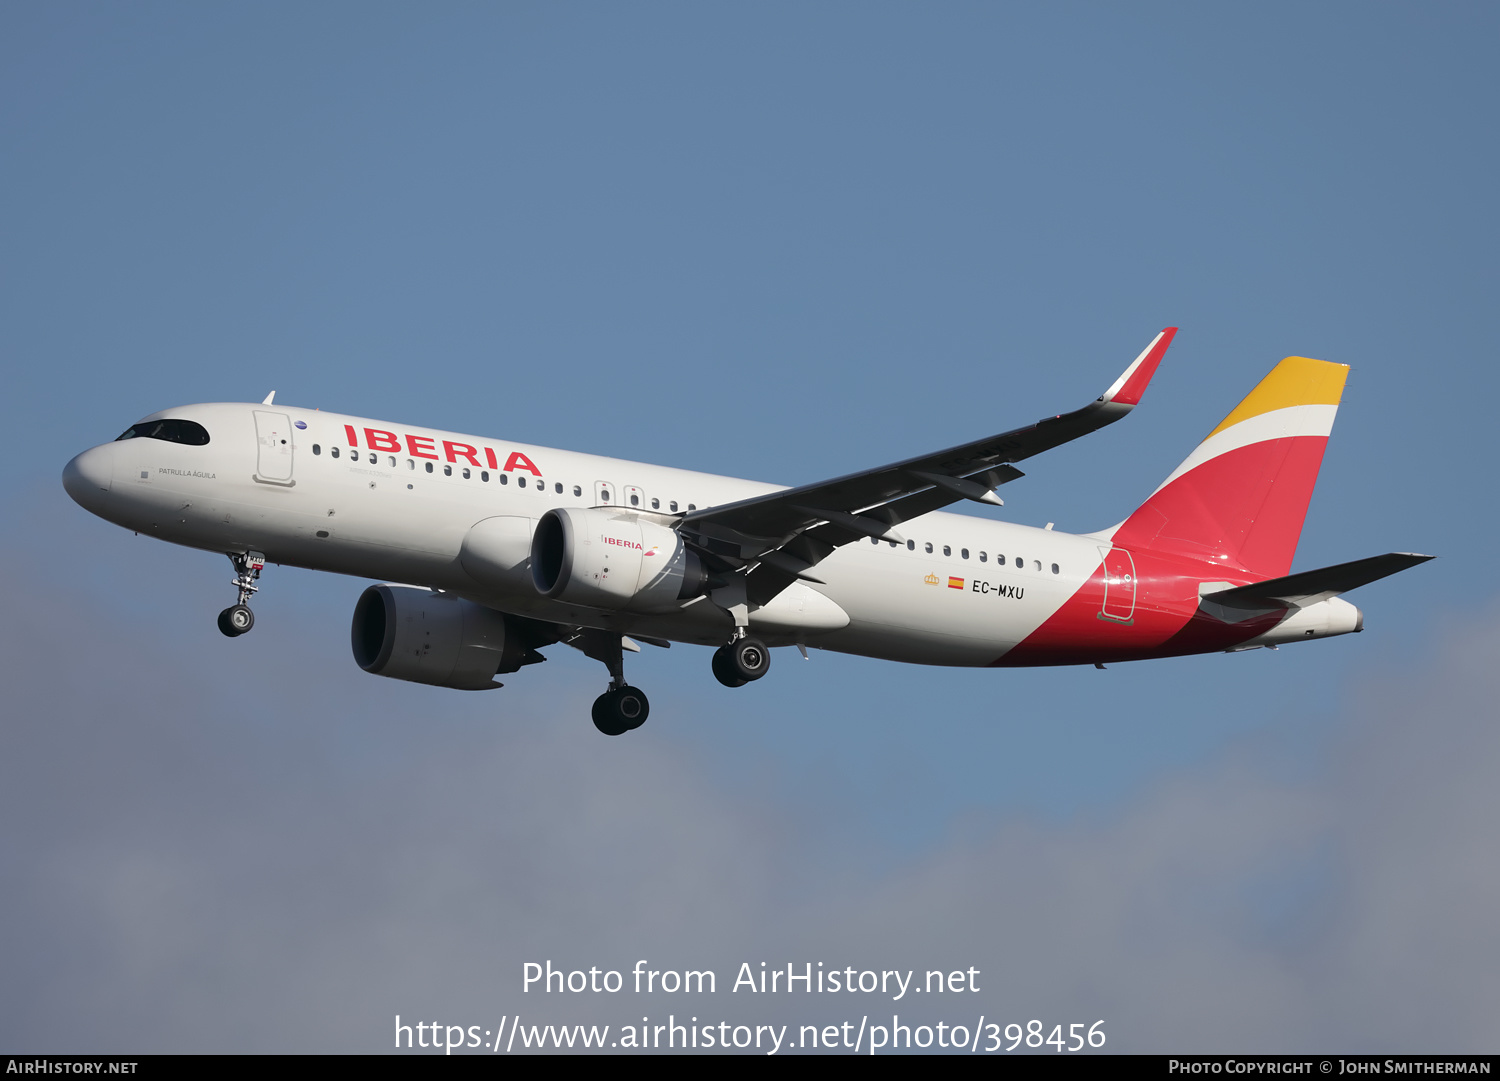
[437, 638]
[612, 559]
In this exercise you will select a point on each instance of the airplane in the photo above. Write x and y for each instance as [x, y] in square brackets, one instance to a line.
[488, 551]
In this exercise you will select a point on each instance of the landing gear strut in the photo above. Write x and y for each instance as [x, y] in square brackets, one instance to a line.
[237, 618]
[742, 661]
[622, 708]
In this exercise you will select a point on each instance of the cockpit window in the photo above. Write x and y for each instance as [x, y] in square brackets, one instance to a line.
[173, 431]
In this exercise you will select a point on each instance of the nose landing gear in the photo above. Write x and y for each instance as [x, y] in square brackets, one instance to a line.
[237, 618]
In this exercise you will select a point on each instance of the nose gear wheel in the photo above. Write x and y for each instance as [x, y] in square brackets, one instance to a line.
[236, 620]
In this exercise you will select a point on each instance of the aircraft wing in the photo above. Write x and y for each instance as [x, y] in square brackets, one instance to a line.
[778, 538]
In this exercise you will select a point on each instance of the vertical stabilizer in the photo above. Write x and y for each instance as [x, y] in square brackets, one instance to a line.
[1241, 497]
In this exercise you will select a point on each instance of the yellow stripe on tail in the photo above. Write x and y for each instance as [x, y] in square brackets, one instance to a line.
[1295, 381]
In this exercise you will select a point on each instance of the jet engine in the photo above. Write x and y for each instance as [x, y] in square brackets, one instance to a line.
[424, 636]
[613, 559]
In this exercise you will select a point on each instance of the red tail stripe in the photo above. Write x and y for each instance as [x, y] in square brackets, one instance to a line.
[1247, 504]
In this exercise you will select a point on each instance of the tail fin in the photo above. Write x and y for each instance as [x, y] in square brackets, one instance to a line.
[1240, 498]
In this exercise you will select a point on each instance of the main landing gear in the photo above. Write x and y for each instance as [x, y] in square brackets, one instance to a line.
[742, 661]
[622, 708]
[237, 618]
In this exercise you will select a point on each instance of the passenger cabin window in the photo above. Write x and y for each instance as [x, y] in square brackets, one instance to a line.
[577, 491]
[1054, 568]
[504, 478]
[982, 557]
[964, 552]
[673, 506]
[557, 488]
[447, 471]
[333, 451]
[929, 548]
[947, 550]
[521, 481]
[317, 449]
[171, 431]
[655, 503]
[429, 466]
[911, 546]
[484, 475]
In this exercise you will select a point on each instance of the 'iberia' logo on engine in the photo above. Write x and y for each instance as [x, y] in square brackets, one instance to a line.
[620, 543]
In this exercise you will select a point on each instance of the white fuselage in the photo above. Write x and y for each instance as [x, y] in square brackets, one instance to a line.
[397, 503]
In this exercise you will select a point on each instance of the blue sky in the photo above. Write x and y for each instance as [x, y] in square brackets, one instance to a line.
[783, 242]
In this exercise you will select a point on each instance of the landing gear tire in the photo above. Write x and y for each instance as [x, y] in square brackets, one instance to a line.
[620, 710]
[236, 620]
[741, 661]
[723, 669]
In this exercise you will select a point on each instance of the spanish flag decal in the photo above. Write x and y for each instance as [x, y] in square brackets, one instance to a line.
[955, 583]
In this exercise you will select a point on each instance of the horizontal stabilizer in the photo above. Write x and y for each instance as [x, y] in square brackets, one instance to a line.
[1310, 587]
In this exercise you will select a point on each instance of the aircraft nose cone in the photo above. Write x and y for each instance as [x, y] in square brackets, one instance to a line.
[87, 477]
